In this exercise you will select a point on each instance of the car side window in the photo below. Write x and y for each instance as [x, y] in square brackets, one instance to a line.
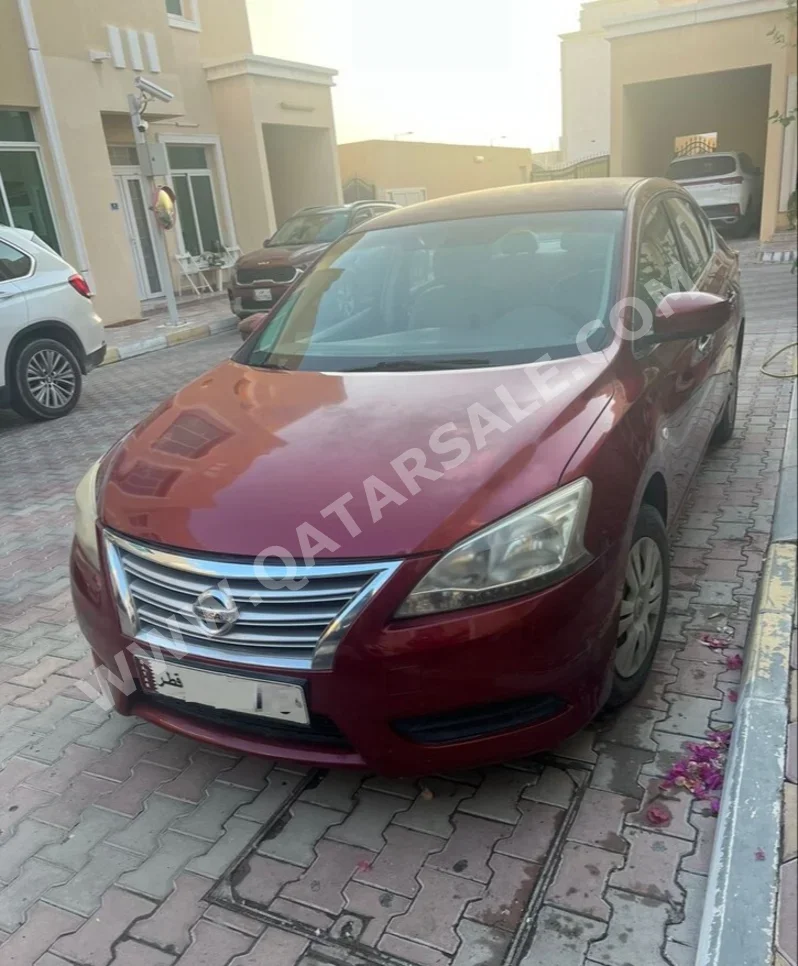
[693, 240]
[658, 258]
[706, 229]
[360, 217]
[13, 263]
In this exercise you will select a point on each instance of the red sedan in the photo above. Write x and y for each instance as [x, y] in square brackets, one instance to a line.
[426, 530]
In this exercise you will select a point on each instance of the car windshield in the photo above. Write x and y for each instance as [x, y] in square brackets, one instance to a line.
[708, 166]
[316, 226]
[489, 291]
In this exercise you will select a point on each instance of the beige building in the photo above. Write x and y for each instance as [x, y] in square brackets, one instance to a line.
[412, 171]
[642, 75]
[246, 139]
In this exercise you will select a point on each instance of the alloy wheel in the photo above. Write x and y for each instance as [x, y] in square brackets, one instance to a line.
[641, 605]
[50, 379]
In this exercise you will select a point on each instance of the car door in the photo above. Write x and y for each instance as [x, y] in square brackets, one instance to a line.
[711, 271]
[14, 265]
[676, 393]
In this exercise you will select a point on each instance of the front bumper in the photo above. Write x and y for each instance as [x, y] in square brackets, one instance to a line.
[243, 302]
[409, 697]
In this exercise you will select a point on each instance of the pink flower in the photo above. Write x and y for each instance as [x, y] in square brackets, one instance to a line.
[734, 662]
[714, 806]
[658, 816]
[716, 643]
[759, 855]
[732, 696]
[720, 737]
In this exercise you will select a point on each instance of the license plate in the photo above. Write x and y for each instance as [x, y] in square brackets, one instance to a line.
[226, 692]
[263, 295]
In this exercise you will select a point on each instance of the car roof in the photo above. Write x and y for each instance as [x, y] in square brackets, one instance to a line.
[350, 206]
[24, 238]
[709, 154]
[609, 194]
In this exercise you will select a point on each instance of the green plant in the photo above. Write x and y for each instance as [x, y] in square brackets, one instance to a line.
[784, 38]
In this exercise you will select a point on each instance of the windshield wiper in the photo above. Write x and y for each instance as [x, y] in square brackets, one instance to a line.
[408, 365]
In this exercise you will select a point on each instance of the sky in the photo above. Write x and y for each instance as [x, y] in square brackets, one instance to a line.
[467, 71]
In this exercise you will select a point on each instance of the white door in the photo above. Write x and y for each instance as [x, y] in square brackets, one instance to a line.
[406, 196]
[134, 207]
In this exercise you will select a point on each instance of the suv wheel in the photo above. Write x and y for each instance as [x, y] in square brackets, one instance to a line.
[643, 605]
[46, 380]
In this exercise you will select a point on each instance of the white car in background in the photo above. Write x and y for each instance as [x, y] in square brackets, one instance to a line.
[726, 184]
[50, 335]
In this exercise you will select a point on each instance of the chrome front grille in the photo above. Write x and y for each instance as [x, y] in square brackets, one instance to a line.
[267, 275]
[157, 591]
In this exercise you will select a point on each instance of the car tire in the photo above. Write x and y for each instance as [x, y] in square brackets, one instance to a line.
[725, 428]
[46, 380]
[643, 609]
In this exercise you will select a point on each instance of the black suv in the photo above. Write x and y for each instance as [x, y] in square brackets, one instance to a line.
[260, 278]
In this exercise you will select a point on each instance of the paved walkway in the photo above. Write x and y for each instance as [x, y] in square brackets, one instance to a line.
[787, 938]
[122, 844]
[200, 318]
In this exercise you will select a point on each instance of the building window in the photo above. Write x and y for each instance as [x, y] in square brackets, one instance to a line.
[183, 14]
[16, 126]
[23, 196]
[123, 155]
[196, 204]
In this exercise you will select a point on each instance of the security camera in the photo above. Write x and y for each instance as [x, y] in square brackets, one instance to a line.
[151, 89]
[142, 126]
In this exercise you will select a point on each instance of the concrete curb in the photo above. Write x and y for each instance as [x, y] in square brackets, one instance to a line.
[188, 333]
[739, 917]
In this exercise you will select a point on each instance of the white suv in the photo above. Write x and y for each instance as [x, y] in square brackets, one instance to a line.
[726, 184]
[50, 335]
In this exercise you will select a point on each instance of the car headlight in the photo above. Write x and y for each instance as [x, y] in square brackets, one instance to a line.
[86, 515]
[529, 549]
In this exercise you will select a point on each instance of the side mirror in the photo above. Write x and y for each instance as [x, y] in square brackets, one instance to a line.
[252, 323]
[689, 315]
[266, 241]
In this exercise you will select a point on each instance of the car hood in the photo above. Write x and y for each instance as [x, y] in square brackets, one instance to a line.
[243, 460]
[281, 255]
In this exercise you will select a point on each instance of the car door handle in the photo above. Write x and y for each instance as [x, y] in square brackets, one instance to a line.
[7, 295]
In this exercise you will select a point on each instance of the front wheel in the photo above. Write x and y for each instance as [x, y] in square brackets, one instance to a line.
[47, 380]
[643, 605]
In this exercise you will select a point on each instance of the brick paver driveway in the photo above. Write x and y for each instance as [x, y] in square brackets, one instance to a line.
[122, 844]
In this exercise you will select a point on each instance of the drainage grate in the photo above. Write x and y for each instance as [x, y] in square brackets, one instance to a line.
[317, 867]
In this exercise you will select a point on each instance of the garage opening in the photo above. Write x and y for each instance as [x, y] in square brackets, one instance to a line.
[301, 167]
[659, 116]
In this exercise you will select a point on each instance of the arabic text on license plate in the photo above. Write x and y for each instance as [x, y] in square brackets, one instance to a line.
[263, 295]
[227, 692]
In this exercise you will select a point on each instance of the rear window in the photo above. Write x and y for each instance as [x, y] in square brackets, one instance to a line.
[703, 167]
[13, 263]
